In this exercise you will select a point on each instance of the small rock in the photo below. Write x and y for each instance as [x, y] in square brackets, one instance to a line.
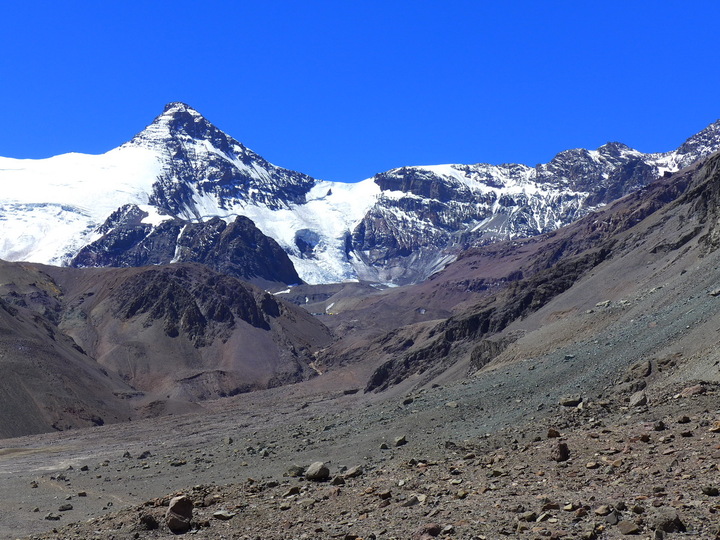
[452, 404]
[52, 517]
[354, 472]
[693, 391]
[224, 515]
[317, 472]
[666, 519]
[384, 446]
[553, 433]
[638, 399]
[613, 518]
[603, 510]
[65, 507]
[642, 369]
[338, 481]
[400, 441]
[570, 401]
[431, 529]
[179, 514]
[148, 522]
[411, 501]
[710, 491]
[628, 527]
[560, 452]
[295, 471]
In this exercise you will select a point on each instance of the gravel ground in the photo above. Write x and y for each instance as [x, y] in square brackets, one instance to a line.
[478, 463]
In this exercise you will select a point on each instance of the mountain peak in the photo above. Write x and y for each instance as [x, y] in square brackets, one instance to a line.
[178, 115]
[179, 120]
[178, 106]
[179, 110]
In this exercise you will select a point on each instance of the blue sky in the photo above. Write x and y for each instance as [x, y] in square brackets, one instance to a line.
[342, 90]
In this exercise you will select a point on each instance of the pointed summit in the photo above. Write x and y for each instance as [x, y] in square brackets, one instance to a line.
[179, 106]
[204, 171]
[181, 114]
[179, 120]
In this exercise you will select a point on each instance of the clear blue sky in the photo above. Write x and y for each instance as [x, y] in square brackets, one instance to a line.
[342, 90]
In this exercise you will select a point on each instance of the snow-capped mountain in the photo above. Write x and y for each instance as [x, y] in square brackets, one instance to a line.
[400, 226]
[425, 215]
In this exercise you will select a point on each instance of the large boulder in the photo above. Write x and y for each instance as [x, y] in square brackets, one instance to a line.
[317, 472]
[179, 514]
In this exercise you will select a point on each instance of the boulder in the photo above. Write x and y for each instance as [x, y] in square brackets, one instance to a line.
[638, 399]
[666, 519]
[317, 472]
[179, 514]
[628, 527]
[560, 452]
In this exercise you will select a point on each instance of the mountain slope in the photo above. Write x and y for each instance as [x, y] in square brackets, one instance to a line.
[186, 331]
[663, 234]
[48, 382]
[81, 347]
[400, 226]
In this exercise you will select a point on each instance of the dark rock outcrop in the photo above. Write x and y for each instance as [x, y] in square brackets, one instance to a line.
[237, 249]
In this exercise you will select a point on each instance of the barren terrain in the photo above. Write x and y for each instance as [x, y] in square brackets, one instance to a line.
[573, 395]
[480, 461]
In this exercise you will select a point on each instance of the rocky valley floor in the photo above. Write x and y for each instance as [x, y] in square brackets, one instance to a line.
[465, 460]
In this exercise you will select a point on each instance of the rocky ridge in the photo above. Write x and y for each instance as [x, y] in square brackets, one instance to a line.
[235, 249]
